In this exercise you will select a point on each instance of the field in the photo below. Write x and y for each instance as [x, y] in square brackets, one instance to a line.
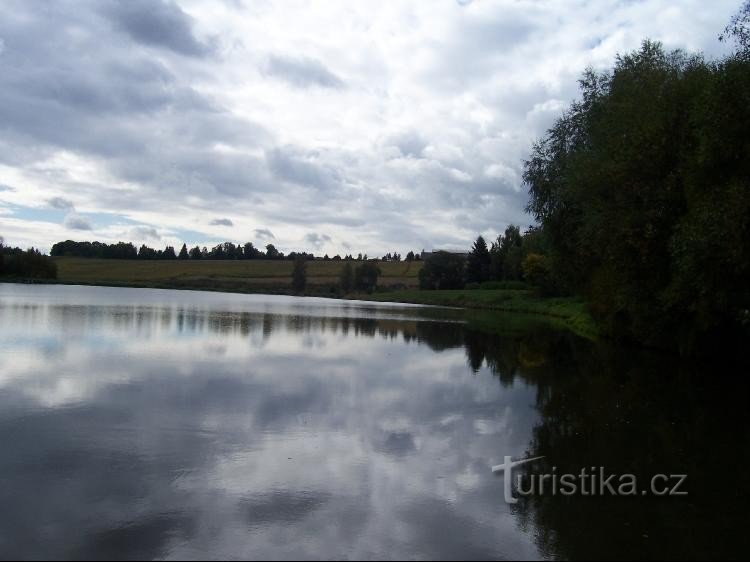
[229, 275]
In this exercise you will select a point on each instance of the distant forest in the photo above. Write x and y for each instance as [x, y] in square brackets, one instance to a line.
[225, 251]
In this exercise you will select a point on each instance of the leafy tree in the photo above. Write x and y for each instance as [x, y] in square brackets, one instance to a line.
[739, 29]
[642, 189]
[299, 274]
[169, 253]
[346, 279]
[184, 253]
[29, 264]
[443, 270]
[366, 276]
[410, 256]
[506, 255]
[478, 262]
[271, 252]
[195, 253]
[249, 251]
[537, 272]
[146, 253]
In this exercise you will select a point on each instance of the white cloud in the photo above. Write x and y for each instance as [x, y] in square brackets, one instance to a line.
[394, 128]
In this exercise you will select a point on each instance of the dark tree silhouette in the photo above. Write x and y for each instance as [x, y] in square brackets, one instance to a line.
[299, 274]
[478, 262]
[443, 270]
[366, 276]
[346, 280]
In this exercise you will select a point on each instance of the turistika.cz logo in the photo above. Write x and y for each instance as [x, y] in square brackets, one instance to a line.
[590, 481]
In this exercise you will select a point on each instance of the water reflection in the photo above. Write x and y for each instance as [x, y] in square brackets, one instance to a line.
[159, 424]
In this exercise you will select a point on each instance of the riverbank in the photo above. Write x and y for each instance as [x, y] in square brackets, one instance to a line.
[570, 312]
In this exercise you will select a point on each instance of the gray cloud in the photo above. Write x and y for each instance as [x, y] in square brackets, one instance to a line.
[75, 221]
[263, 234]
[144, 232]
[302, 72]
[400, 138]
[159, 23]
[60, 203]
[221, 222]
[294, 165]
[317, 240]
[409, 143]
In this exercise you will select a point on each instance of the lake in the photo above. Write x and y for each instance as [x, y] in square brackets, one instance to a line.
[139, 423]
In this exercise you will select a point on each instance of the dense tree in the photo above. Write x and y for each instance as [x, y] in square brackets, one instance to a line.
[478, 262]
[443, 270]
[271, 252]
[506, 255]
[346, 279]
[184, 253]
[146, 253]
[299, 274]
[366, 276]
[410, 256]
[169, 253]
[643, 191]
[196, 254]
[30, 264]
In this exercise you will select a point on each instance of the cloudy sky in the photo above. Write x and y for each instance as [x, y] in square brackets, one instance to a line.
[331, 126]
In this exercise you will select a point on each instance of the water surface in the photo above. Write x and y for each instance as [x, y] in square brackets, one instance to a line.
[141, 423]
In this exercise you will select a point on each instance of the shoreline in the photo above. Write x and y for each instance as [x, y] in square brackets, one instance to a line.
[569, 313]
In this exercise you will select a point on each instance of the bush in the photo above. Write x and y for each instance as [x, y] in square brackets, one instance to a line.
[442, 270]
[366, 277]
[537, 271]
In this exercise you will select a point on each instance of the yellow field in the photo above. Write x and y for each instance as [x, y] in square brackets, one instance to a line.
[218, 273]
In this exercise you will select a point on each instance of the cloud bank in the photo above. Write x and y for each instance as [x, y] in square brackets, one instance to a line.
[389, 129]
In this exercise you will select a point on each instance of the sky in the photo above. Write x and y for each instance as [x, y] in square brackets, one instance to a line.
[331, 127]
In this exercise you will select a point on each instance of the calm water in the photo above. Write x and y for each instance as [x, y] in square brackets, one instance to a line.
[161, 424]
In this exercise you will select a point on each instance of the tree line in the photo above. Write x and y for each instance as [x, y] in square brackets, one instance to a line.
[224, 251]
[16, 263]
[511, 257]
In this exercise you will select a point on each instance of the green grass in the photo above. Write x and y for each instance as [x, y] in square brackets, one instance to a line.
[568, 311]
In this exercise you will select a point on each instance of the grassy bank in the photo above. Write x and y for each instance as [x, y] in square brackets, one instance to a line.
[569, 312]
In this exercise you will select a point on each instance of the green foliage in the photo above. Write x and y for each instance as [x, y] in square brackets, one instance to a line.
[643, 191]
[506, 255]
[442, 270]
[184, 253]
[30, 264]
[739, 30]
[299, 274]
[366, 276]
[478, 262]
[537, 271]
[346, 279]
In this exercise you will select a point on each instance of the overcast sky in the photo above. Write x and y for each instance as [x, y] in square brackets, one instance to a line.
[329, 126]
